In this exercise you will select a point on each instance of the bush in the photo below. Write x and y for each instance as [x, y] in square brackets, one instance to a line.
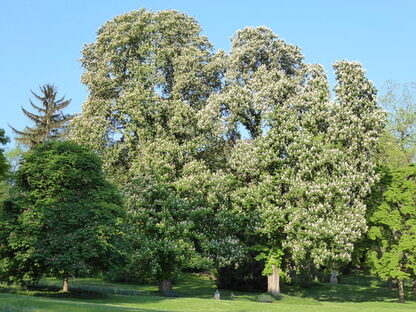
[265, 298]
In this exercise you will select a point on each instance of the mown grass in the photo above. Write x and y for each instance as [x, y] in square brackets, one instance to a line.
[195, 292]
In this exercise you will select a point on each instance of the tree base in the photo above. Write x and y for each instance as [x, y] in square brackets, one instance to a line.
[401, 290]
[273, 282]
[165, 286]
[65, 287]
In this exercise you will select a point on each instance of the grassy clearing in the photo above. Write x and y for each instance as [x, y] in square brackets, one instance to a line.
[195, 293]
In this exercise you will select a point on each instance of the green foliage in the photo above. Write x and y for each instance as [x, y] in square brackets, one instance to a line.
[4, 166]
[171, 233]
[66, 219]
[393, 227]
[163, 232]
[50, 123]
[399, 144]
[396, 150]
[13, 156]
[145, 117]
[271, 256]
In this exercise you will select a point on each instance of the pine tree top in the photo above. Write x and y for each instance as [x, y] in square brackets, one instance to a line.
[49, 121]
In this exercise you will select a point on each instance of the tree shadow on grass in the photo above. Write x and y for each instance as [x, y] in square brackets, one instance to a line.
[347, 293]
[29, 303]
[195, 285]
[50, 295]
[202, 286]
[52, 291]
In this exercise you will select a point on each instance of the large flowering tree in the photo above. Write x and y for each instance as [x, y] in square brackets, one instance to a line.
[304, 163]
[149, 76]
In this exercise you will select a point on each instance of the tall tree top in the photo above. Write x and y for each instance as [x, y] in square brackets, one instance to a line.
[50, 122]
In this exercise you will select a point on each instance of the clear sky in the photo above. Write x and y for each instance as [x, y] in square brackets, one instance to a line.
[41, 40]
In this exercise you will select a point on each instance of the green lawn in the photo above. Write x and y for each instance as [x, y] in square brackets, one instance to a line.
[195, 293]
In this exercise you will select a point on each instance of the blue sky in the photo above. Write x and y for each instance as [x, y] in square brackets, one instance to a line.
[41, 40]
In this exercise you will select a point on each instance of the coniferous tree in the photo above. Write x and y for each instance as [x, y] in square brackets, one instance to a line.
[50, 123]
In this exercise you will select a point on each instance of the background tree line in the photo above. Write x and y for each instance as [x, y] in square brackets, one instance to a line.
[222, 160]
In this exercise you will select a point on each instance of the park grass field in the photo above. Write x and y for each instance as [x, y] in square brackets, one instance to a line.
[195, 293]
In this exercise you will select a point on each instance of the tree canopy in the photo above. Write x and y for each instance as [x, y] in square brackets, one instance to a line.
[50, 123]
[149, 76]
[393, 227]
[398, 146]
[385, 249]
[65, 219]
[308, 163]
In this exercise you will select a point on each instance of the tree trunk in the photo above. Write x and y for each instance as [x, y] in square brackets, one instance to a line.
[334, 277]
[390, 284]
[165, 286]
[401, 290]
[273, 282]
[66, 284]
